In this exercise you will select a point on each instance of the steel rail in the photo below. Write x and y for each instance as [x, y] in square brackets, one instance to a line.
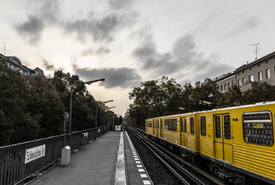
[175, 164]
[200, 171]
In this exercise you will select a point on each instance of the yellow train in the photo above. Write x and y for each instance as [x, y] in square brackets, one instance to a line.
[236, 143]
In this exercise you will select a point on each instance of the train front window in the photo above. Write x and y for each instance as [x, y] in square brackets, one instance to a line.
[258, 128]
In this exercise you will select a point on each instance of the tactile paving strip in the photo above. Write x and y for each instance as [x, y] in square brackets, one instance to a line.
[143, 173]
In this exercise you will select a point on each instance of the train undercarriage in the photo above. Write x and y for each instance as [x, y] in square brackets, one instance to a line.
[228, 173]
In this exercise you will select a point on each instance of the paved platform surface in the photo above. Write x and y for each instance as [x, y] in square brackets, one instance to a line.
[112, 159]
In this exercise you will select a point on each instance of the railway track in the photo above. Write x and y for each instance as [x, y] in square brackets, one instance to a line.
[187, 173]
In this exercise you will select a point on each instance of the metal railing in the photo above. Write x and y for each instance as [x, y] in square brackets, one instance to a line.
[14, 169]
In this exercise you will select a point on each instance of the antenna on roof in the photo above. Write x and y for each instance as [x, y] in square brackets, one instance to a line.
[256, 49]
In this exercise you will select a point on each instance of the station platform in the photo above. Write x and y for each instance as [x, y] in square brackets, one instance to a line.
[110, 160]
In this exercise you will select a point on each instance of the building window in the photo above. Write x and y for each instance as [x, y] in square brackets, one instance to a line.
[251, 78]
[243, 80]
[267, 73]
[228, 84]
[239, 82]
[260, 76]
[221, 87]
[232, 83]
[224, 86]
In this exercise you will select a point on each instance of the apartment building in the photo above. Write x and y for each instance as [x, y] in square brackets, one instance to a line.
[15, 64]
[249, 75]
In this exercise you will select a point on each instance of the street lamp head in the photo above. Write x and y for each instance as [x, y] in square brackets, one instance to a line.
[108, 101]
[94, 81]
[111, 107]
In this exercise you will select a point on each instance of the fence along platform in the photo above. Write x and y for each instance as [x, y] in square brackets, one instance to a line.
[20, 162]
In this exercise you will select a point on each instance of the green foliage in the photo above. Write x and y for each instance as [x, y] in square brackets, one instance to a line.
[33, 107]
[164, 97]
[15, 121]
[157, 97]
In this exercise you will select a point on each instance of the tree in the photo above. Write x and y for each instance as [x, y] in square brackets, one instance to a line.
[264, 92]
[135, 115]
[45, 105]
[16, 124]
[203, 96]
[157, 97]
[232, 97]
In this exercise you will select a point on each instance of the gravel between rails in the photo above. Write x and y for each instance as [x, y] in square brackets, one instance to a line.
[159, 174]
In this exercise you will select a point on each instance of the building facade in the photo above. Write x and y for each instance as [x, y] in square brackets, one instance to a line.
[15, 64]
[249, 75]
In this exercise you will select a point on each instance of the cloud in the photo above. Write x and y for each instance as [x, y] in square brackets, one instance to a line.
[182, 59]
[50, 66]
[120, 4]
[114, 77]
[245, 24]
[33, 27]
[47, 65]
[87, 52]
[101, 29]
[102, 50]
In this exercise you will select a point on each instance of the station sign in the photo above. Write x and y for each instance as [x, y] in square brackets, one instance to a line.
[35, 153]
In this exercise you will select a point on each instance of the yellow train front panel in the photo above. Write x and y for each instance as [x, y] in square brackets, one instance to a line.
[253, 139]
[241, 136]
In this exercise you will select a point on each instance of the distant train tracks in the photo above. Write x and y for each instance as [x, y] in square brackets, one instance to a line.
[187, 173]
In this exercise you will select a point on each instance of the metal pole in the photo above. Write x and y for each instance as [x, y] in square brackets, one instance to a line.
[64, 138]
[71, 107]
[114, 121]
[95, 119]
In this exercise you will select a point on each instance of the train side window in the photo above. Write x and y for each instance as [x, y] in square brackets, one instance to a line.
[258, 128]
[203, 126]
[161, 124]
[185, 130]
[218, 126]
[150, 123]
[170, 127]
[192, 126]
[175, 127]
[158, 124]
[227, 130]
[181, 125]
[166, 124]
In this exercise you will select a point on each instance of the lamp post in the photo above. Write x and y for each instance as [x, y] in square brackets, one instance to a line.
[71, 101]
[96, 114]
[113, 115]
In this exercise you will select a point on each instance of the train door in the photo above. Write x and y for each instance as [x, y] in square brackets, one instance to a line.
[182, 131]
[154, 125]
[157, 129]
[223, 143]
[161, 128]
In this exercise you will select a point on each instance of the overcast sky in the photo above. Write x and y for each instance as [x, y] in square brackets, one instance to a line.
[130, 41]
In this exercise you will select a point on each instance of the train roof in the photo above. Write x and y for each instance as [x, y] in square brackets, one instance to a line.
[226, 108]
